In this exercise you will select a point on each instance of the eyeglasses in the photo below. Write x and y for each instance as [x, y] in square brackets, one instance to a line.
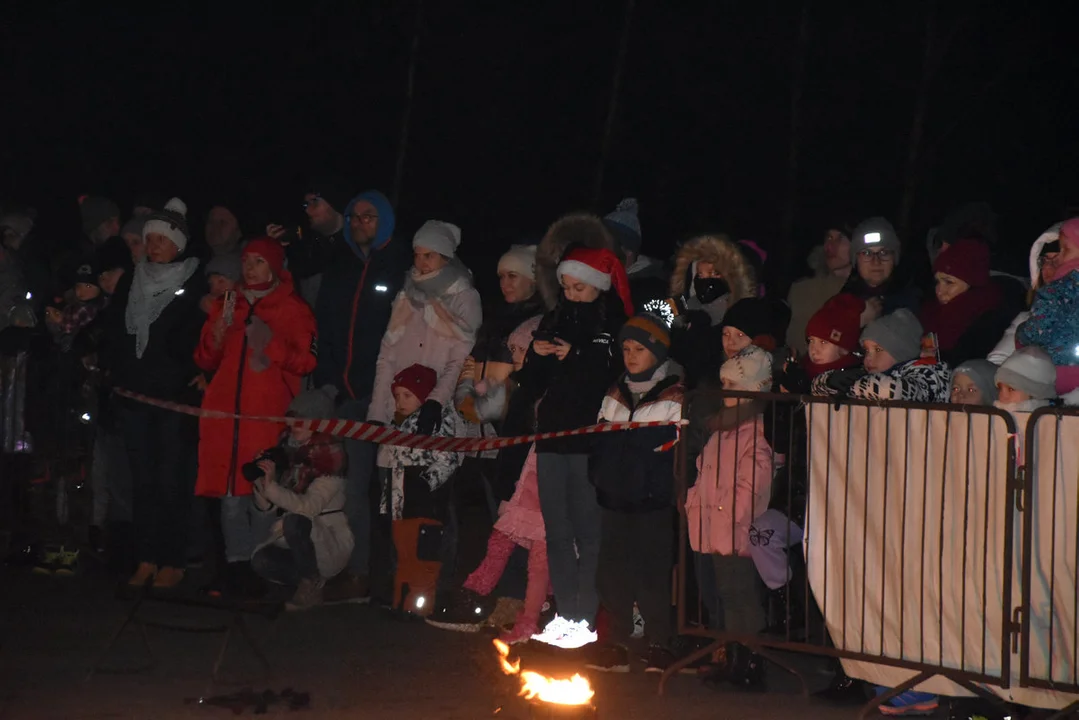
[365, 218]
[878, 255]
[312, 202]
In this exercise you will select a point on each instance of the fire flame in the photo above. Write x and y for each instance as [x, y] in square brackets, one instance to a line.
[573, 691]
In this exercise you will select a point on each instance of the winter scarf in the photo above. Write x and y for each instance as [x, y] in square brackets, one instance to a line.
[658, 373]
[950, 321]
[421, 289]
[1024, 406]
[153, 287]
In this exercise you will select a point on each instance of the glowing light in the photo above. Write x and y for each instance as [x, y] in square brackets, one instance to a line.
[479, 611]
[420, 602]
[29, 295]
[662, 308]
[872, 238]
[85, 417]
[381, 288]
[179, 292]
[557, 691]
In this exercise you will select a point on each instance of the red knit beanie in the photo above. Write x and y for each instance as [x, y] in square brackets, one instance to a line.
[839, 321]
[271, 251]
[966, 259]
[418, 379]
[601, 269]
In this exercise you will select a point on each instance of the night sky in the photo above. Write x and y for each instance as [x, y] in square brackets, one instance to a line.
[219, 102]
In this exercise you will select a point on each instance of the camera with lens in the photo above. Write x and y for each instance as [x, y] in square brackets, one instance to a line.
[276, 455]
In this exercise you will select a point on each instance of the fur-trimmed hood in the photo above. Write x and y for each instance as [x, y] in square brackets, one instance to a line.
[725, 255]
[574, 229]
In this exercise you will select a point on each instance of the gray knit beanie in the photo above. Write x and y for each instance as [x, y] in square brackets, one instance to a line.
[899, 333]
[1030, 370]
[317, 403]
[982, 373]
[875, 233]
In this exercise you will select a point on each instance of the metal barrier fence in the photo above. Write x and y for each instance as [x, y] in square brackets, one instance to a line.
[1049, 655]
[887, 533]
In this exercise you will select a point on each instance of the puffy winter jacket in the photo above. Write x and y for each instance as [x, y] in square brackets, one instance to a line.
[226, 444]
[629, 475]
[1054, 320]
[354, 300]
[570, 391]
[734, 484]
[436, 333]
[912, 381]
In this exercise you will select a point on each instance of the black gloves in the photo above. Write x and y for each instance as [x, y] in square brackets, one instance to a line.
[795, 379]
[430, 417]
[843, 380]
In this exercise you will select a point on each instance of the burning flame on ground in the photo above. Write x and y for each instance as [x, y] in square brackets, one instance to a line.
[574, 691]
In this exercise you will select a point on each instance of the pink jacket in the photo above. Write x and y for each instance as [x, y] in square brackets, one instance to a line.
[734, 483]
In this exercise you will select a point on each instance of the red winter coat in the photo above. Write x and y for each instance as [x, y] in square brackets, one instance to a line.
[225, 445]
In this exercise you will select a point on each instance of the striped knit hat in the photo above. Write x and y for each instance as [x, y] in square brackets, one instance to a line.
[170, 222]
[650, 331]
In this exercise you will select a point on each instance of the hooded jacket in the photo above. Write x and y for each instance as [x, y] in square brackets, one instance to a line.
[629, 475]
[225, 445]
[697, 337]
[437, 332]
[354, 298]
[1006, 346]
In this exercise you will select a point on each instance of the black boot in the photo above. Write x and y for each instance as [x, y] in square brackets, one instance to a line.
[843, 690]
[747, 669]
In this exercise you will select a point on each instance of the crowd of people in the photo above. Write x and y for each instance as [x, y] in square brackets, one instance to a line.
[348, 320]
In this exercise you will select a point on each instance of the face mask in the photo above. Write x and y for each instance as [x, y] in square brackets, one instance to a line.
[708, 290]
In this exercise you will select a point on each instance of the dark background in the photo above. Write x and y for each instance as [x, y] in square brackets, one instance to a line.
[236, 103]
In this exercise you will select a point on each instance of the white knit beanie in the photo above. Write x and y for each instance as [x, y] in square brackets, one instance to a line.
[1030, 370]
[437, 236]
[170, 222]
[520, 259]
[748, 371]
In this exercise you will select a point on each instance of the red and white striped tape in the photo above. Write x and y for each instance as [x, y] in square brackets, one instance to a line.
[384, 435]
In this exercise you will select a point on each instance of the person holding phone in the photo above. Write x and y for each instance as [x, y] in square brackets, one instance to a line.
[572, 362]
[258, 342]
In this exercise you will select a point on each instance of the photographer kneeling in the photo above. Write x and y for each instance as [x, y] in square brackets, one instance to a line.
[302, 479]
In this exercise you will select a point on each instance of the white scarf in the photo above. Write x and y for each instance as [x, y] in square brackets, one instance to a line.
[153, 287]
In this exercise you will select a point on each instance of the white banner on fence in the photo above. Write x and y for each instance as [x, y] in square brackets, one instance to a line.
[905, 555]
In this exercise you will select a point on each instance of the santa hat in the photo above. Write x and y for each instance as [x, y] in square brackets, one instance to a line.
[170, 222]
[839, 321]
[418, 379]
[269, 250]
[967, 259]
[601, 269]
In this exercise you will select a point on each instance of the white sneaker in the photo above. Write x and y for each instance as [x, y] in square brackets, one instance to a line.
[638, 623]
[575, 635]
[554, 630]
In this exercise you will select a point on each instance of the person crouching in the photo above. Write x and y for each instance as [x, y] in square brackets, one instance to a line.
[415, 492]
[303, 480]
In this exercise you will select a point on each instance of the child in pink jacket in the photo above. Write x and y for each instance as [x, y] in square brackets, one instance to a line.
[734, 482]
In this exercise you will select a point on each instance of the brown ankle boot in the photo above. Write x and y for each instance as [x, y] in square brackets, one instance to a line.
[143, 574]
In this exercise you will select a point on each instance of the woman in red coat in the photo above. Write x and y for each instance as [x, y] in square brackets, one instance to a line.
[258, 344]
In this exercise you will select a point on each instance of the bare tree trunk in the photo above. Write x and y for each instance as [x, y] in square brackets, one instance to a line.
[790, 206]
[930, 61]
[406, 118]
[612, 107]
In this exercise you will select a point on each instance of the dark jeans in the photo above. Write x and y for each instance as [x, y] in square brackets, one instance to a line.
[572, 517]
[711, 607]
[287, 566]
[160, 444]
[635, 559]
[361, 469]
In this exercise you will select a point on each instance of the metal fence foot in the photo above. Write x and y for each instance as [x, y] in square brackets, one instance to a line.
[693, 657]
[867, 710]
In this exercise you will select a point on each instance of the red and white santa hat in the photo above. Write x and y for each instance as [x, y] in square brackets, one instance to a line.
[601, 269]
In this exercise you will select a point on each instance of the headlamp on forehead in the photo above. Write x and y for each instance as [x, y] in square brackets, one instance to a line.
[872, 238]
